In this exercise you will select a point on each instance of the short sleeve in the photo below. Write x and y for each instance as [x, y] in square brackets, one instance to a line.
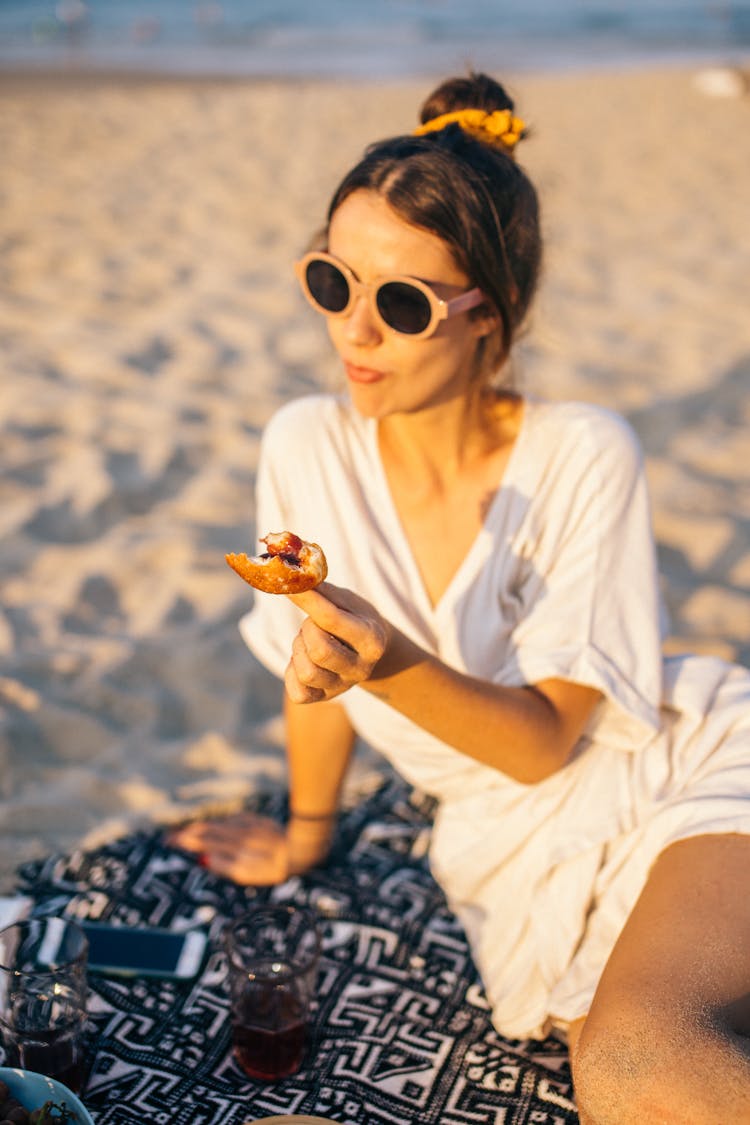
[591, 609]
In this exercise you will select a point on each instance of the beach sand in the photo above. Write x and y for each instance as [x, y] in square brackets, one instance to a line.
[150, 324]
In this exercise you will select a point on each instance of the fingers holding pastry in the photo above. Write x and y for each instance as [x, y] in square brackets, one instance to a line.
[351, 620]
[337, 646]
[289, 565]
[342, 638]
[326, 650]
[313, 664]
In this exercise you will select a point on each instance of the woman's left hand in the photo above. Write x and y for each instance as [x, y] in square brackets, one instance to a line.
[248, 848]
[341, 640]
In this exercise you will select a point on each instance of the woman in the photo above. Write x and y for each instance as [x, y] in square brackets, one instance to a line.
[493, 627]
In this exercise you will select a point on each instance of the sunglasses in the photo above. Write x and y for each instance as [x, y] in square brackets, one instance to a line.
[401, 304]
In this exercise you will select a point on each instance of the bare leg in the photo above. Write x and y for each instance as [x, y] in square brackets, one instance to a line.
[665, 1042]
[574, 1034]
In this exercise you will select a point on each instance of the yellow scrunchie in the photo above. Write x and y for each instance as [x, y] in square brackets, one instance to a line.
[497, 128]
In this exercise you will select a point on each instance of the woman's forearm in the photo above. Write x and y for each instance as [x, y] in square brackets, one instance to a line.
[320, 740]
[319, 746]
[527, 732]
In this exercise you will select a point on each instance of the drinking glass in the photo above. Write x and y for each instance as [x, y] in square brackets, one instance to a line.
[272, 954]
[43, 997]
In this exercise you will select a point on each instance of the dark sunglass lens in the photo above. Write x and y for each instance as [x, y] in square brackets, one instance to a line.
[328, 285]
[404, 307]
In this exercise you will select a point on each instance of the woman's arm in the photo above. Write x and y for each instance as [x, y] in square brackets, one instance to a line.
[258, 851]
[319, 747]
[526, 732]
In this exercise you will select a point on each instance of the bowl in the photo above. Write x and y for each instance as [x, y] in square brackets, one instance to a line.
[293, 1119]
[33, 1090]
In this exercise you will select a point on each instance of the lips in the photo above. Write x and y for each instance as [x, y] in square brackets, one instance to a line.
[362, 375]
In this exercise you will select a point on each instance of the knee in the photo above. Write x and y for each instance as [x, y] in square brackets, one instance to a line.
[630, 1064]
[620, 1077]
[612, 1076]
[657, 1071]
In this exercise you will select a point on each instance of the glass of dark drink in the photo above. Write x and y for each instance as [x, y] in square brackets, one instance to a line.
[272, 955]
[43, 997]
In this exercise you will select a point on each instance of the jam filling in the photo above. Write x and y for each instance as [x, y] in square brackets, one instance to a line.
[290, 560]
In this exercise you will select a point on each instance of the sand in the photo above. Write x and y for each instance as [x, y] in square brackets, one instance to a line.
[150, 324]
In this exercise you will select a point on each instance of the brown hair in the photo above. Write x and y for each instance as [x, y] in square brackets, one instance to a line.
[470, 194]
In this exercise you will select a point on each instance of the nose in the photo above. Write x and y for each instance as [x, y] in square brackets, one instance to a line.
[361, 326]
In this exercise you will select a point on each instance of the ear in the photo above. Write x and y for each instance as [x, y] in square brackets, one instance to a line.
[484, 320]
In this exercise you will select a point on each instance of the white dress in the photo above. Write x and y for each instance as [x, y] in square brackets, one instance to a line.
[560, 582]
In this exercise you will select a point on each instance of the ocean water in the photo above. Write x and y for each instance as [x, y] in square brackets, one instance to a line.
[367, 38]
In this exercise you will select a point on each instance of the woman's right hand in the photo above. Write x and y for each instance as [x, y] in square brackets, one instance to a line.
[338, 645]
[255, 850]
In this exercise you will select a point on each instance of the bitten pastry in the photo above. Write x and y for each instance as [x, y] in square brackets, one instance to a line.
[289, 565]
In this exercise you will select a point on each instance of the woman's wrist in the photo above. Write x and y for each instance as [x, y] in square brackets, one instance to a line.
[311, 826]
[312, 817]
[400, 654]
[308, 839]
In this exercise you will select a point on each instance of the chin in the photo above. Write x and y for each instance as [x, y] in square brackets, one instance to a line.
[369, 405]
[369, 410]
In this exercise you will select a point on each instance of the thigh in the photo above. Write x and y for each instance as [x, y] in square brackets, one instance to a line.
[687, 939]
[673, 1003]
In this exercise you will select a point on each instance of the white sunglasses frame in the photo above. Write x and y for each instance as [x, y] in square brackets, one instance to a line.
[440, 309]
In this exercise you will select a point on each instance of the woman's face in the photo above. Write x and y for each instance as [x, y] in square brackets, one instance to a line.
[387, 372]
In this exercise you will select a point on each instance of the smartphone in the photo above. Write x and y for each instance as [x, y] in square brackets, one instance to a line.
[134, 951]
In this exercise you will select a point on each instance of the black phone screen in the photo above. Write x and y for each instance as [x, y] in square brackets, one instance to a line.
[114, 947]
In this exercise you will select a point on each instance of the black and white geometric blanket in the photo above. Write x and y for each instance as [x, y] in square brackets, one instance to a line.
[402, 1033]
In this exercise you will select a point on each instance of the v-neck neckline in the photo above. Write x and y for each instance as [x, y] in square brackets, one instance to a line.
[479, 546]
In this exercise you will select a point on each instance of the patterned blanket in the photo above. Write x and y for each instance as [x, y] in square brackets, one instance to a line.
[402, 1032]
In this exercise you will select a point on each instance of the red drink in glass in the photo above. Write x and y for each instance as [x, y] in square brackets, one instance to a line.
[43, 987]
[272, 954]
[52, 1053]
[269, 1033]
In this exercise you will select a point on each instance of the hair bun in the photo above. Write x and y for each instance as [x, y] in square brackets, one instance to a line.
[476, 91]
[479, 105]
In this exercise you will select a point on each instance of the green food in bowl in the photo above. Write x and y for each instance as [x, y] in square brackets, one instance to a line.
[33, 1090]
